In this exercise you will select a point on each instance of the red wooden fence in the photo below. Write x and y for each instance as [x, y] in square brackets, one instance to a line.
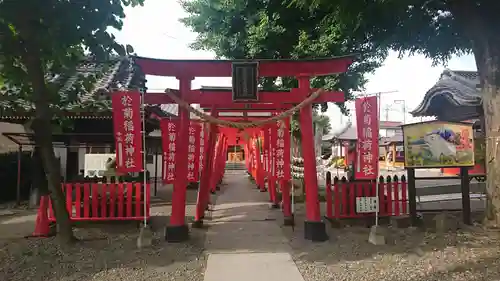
[105, 201]
[341, 197]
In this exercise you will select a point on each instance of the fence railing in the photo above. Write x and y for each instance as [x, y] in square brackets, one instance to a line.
[355, 199]
[105, 201]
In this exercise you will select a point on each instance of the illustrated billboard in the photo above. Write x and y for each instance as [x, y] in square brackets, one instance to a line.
[438, 144]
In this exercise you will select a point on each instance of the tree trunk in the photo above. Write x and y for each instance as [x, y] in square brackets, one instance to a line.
[479, 24]
[38, 173]
[487, 54]
[491, 104]
[43, 138]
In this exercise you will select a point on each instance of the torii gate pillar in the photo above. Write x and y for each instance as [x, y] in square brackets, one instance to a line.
[177, 230]
[314, 227]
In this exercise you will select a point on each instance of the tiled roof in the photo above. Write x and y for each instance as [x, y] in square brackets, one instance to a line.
[398, 137]
[338, 133]
[173, 108]
[102, 78]
[470, 75]
[6, 145]
[456, 90]
[390, 124]
[350, 133]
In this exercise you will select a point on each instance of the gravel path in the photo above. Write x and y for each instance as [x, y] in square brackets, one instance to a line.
[409, 255]
[106, 252]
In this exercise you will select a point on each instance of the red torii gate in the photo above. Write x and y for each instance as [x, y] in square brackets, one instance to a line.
[234, 136]
[254, 133]
[186, 70]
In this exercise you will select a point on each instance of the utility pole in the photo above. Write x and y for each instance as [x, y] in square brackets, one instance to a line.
[379, 101]
[387, 109]
[403, 103]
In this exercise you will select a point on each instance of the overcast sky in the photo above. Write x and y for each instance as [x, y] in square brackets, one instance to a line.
[154, 31]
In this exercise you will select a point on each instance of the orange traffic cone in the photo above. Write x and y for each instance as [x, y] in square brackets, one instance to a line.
[42, 228]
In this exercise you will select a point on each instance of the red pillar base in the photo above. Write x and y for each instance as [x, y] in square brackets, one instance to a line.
[289, 221]
[197, 224]
[177, 233]
[315, 231]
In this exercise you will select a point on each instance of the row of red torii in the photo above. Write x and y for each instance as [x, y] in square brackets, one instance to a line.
[191, 147]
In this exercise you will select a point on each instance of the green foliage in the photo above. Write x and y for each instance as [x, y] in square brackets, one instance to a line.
[42, 38]
[436, 29]
[263, 29]
[58, 34]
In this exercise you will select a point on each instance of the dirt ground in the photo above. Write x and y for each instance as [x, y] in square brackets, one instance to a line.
[469, 253]
[108, 252]
[104, 252]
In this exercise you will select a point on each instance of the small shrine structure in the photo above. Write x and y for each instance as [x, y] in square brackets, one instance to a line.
[456, 97]
[85, 104]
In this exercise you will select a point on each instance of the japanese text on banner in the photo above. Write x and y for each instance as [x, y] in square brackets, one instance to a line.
[254, 153]
[194, 152]
[203, 138]
[271, 149]
[168, 137]
[367, 146]
[282, 150]
[169, 132]
[127, 128]
[267, 166]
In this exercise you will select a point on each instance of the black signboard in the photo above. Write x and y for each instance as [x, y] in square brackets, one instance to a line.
[245, 81]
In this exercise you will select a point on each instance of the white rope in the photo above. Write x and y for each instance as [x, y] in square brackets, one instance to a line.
[243, 125]
[322, 167]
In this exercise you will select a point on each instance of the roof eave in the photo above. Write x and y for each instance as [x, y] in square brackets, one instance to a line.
[457, 90]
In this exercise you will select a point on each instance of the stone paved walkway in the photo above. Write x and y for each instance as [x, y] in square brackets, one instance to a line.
[244, 241]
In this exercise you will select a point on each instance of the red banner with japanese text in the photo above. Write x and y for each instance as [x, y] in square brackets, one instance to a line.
[168, 141]
[265, 148]
[367, 146]
[194, 152]
[203, 144]
[282, 154]
[273, 131]
[271, 147]
[127, 125]
[253, 147]
[169, 135]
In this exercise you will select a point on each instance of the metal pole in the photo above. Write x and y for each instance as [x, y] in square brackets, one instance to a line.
[378, 168]
[144, 151]
[18, 190]
[403, 103]
[156, 170]
[404, 112]
[292, 141]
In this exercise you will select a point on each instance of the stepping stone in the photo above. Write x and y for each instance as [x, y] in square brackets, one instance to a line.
[251, 267]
